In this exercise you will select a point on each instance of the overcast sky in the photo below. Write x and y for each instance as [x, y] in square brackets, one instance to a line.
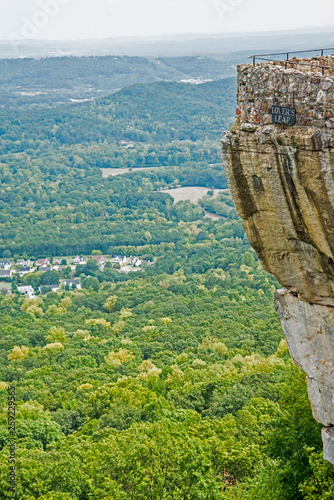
[77, 19]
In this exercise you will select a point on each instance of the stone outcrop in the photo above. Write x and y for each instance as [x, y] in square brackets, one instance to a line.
[282, 182]
[283, 188]
[309, 332]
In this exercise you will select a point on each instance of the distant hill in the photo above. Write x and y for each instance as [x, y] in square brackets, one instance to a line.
[61, 79]
[105, 72]
[35, 73]
[159, 112]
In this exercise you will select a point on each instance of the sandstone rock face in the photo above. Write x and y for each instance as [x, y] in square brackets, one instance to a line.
[328, 440]
[282, 183]
[309, 332]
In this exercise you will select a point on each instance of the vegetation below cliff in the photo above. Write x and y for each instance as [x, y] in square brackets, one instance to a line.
[173, 382]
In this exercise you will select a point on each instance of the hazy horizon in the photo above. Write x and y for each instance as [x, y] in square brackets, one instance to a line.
[71, 20]
[302, 30]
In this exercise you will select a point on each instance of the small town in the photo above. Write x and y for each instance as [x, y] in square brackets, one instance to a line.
[34, 277]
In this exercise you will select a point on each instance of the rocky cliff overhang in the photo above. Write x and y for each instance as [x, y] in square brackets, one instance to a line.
[282, 185]
[282, 182]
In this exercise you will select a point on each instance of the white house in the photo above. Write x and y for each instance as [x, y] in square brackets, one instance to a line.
[135, 261]
[24, 263]
[5, 264]
[120, 259]
[27, 290]
[79, 261]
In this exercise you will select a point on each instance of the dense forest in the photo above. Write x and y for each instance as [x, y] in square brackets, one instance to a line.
[172, 383]
[157, 113]
[53, 197]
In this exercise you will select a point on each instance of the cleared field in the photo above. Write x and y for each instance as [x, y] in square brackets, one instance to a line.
[111, 172]
[191, 193]
[5, 285]
[209, 215]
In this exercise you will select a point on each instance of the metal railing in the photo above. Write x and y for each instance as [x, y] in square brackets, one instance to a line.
[263, 57]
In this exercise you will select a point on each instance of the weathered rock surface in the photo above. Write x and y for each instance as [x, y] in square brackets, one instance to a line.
[309, 332]
[328, 440]
[282, 183]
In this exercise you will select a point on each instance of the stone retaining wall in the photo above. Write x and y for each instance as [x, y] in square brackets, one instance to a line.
[299, 86]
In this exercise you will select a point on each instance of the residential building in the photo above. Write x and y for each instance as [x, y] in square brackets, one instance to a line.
[98, 258]
[24, 263]
[135, 261]
[79, 261]
[24, 270]
[5, 273]
[56, 264]
[43, 262]
[128, 144]
[74, 283]
[27, 290]
[5, 264]
[45, 268]
[120, 259]
[50, 288]
[101, 261]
